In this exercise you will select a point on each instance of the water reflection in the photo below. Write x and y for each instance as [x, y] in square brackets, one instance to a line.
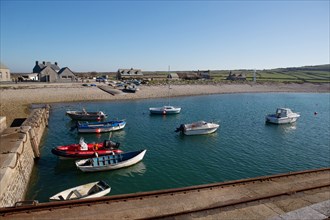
[135, 170]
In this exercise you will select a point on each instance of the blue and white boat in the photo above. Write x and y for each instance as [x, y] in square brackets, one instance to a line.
[110, 162]
[99, 127]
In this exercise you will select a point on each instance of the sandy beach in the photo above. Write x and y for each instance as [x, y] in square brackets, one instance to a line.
[16, 98]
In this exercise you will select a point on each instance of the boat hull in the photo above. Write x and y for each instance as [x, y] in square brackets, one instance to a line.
[74, 151]
[88, 116]
[166, 110]
[198, 128]
[101, 127]
[286, 120]
[200, 131]
[110, 162]
[86, 191]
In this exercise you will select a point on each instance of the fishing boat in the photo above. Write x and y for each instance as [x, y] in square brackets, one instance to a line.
[282, 116]
[99, 127]
[198, 128]
[86, 116]
[84, 150]
[110, 162]
[165, 110]
[86, 191]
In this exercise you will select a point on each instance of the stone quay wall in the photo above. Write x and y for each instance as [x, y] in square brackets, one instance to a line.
[19, 148]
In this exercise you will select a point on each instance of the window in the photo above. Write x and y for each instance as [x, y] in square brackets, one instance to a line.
[0, 75]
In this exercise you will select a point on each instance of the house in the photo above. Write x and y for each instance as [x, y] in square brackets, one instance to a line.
[129, 74]
[4, 73]
[189, 76]
[173, 76]
[204, 74]
[48, 72]
[236, 76]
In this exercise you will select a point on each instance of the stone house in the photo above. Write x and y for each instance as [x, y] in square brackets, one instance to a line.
[236, 76]
[189, 76]
[48, 72]
[204, 74]
[129, 74]
[4, 73]
[173, 76]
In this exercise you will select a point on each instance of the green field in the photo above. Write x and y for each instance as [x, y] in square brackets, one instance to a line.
[312, 74]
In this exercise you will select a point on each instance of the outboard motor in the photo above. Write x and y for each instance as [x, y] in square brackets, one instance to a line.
[181, 128]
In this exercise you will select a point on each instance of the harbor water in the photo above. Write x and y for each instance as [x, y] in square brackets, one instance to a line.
[244, 146]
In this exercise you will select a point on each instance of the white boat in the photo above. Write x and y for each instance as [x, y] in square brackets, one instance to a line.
[110, 162]
[197, 128]
[165, 110]
[282, 116]
[86, 116]
[86, 191]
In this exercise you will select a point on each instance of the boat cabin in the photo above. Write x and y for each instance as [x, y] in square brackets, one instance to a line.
[282, 112]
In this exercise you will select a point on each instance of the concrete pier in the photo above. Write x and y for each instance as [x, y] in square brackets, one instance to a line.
[19, 147]
[299, 195]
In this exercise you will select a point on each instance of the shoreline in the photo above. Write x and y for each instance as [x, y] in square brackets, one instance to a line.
[17, 98]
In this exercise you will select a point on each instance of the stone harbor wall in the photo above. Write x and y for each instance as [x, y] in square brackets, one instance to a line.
[19, 148]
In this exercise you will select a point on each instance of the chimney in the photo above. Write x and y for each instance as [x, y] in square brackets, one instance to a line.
[37, 63]
[56, 63]
[43, 62]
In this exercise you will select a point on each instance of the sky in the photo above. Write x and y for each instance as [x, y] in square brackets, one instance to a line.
[105, 36]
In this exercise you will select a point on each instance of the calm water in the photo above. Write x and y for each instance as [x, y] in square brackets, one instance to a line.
[243, 147]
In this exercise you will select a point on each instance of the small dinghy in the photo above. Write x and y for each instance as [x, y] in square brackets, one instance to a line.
[84, 150]
[198, 128]
[99, 127]
[86, 116]
[110, 162]
[86, 191]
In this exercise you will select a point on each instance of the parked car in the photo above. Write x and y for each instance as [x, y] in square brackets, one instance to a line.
[100, 79]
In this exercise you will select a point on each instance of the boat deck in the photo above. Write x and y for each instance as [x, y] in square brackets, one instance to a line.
[284, 196]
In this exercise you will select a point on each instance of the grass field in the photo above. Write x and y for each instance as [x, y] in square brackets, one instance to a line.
[312, 74]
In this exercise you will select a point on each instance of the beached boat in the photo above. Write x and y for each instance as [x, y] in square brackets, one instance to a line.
[130, 88]
[282, 116]
[198, 128]
[84, 150]
[110, 162]
[99, 127]
[86, 191]
[165, 110]
[86, 116]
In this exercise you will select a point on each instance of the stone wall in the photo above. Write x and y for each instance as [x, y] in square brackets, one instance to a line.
[19, 147]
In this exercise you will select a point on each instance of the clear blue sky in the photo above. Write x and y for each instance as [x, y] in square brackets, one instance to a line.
[152, 35]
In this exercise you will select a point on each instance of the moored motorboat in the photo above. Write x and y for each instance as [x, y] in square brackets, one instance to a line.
[165, 110]
[86, 116]
[84, 150]
[110, 162]
[86, 191]
[198, 128]
[99, 127]
[282, 116]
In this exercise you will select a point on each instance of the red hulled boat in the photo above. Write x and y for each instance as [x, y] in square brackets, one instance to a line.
[86, 150]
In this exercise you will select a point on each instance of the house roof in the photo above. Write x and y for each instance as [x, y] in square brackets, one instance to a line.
[130, 71]
[173, 75]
